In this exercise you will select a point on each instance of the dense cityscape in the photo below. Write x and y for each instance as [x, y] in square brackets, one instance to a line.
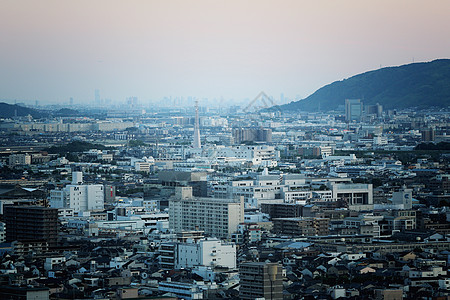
[247, 202]
[225, 149]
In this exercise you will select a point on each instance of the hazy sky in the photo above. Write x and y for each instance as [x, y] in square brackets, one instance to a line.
[53, 50]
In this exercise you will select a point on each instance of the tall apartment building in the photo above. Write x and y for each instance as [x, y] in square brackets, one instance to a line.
[31, 223]
[353, 110]
[78, 196]
[216, 217]
[252, 135]
[260, 280]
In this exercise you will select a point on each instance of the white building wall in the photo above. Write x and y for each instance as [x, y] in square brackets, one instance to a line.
[95, 197]
[216, 253]
[403, 198]
[187, 256]
[76, 197]
[209, 252]
[80, 198]
[57, 199]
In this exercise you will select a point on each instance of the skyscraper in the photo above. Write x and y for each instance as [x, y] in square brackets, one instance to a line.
[353, 110]
[97, 97]
[196, 144]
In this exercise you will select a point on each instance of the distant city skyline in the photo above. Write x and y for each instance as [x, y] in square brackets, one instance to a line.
[53, 51]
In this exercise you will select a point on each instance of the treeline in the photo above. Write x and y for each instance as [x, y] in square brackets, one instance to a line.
[76, 146]
[433, 146]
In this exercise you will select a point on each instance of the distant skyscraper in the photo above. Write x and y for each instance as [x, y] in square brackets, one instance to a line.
[97, 97]
[196, 143]
[132, 102]
[353, 110]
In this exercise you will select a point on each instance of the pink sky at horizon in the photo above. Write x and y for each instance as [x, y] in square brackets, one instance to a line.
[53, 50]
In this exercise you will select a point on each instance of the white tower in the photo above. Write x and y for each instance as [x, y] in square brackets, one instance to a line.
[197, 144]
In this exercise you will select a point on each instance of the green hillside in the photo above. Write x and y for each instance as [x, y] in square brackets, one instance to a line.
[420, 85]
[10, 111]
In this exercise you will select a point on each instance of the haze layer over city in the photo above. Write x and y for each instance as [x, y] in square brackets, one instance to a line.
[224, 149]
[228, 50]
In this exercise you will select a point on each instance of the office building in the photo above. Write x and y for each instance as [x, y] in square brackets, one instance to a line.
[353, 110]
[78, 196]
[356, 196]
[260, 280]
[375, 110]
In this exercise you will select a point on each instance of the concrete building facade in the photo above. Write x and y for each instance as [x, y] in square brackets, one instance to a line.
[78, 196]
[260, 280]
[216, 217]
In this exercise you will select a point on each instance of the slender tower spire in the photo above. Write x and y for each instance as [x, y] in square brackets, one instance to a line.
[196, 143]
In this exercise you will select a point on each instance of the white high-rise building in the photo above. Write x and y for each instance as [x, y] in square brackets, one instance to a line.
[78, 196]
